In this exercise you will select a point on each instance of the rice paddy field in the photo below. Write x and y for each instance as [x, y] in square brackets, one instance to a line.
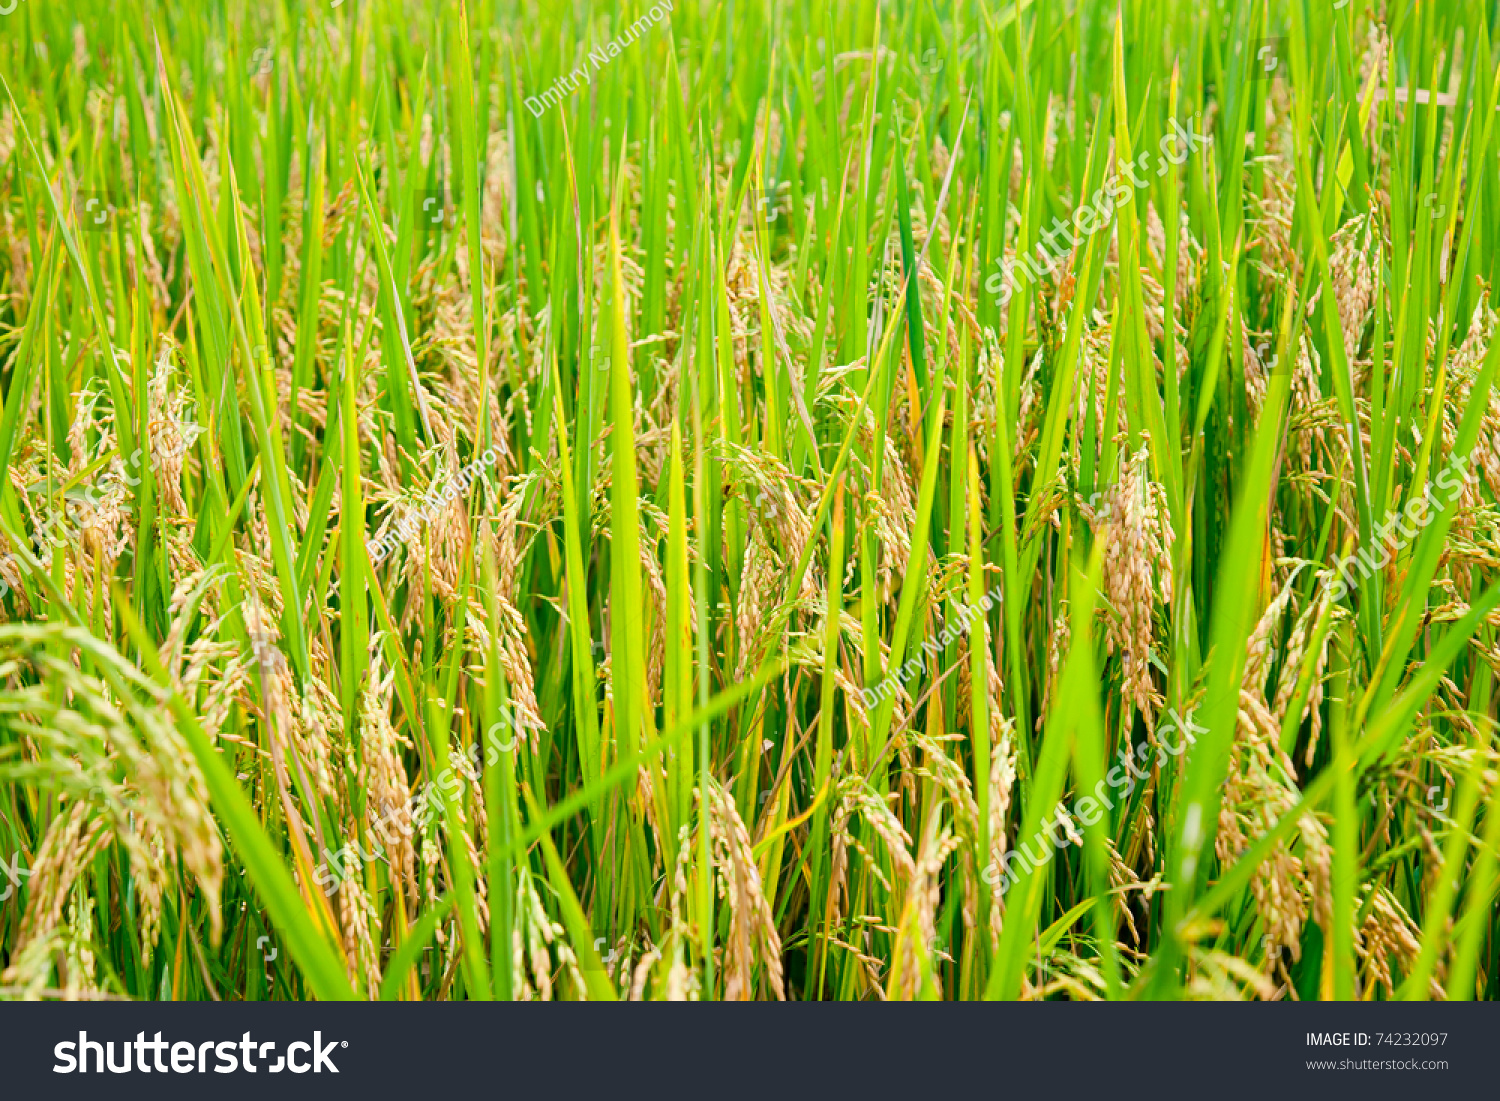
[749, 499]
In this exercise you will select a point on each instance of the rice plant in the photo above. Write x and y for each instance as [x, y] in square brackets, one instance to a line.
[777, 499]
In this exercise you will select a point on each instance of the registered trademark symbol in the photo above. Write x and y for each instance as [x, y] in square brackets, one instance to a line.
[344, 1043]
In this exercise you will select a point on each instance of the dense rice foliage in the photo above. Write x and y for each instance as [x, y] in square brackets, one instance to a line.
[778, 499]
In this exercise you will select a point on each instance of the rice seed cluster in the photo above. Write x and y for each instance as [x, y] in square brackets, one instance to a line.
[686, 568]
